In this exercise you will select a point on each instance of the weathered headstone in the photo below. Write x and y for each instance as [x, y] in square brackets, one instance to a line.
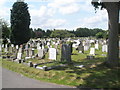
[104, 48]
[86, 47]
[92, 51]
[40, 53]
[66, 53]
[97, 46]
[52, 53]
[6, 48]
[81, 48]
[19, 54]
[17, 47]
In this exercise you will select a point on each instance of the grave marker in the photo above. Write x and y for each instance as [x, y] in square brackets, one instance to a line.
[66, 53]
[40, 53]
[52, 53]
[92, 51]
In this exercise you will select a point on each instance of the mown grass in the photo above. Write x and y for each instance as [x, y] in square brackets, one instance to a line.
[94, 74]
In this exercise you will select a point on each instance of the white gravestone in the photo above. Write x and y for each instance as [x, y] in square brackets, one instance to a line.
[86, 48]
[17, 47]
[96, 46]
[92, 51]
[6, 49]
[40, 53]
[19, 56]
[104, 48]
[52, 53]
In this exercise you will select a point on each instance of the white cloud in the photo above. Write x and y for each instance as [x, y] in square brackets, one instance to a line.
[69, 9]
[54, 23]
[65, 6]
[47, 23]
[2, 2]
[100, 19]
[4, 11]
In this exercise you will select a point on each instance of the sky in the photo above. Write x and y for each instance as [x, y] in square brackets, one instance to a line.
[59, 14]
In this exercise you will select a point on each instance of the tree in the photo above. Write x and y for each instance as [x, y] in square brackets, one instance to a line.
[20, 21]
[39, 33]
[113, 39]
[5, 31]
[32, 33]
[48, 33]
[61, 34]
[99, 35]
[85, 32]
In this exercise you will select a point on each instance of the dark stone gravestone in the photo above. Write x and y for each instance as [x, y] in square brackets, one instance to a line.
[66, 53]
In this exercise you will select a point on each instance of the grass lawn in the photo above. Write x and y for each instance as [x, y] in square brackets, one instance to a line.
[94, 74]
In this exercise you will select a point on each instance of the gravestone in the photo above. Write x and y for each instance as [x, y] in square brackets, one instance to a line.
[52, 53]
[66, 53]
[19, 56]
[97, 46]
[17, 47]
[6, 48]
[86, 46]
[104, 48]
[12, 46]
[92, 51]
[40, 53]
[30, 52]
[80, 48]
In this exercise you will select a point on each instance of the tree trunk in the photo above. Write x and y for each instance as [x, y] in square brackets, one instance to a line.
[113, 38]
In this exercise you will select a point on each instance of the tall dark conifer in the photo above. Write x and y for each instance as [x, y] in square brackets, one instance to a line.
[20, 21]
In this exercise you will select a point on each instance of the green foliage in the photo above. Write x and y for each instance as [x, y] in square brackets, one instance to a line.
[39, 33]
[20, 21]
[48, 33]
[61, 34]
[85, 32]
[32, 33]
[5, 30]
[97, 4]
[99, 35]
[102, 35]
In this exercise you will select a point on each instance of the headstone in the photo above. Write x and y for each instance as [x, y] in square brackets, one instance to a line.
[81, 48]
[12, 46]
[92, 51]
[17, 47]
[30, 52]
[19, 56]
[86, 48]
[97, 46]
[27, 52]
[40, 53]
[104, 48]
[66, 53]
[6, 48]
[52, 53]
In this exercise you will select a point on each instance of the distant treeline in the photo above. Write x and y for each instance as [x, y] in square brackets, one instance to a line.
[79, 32]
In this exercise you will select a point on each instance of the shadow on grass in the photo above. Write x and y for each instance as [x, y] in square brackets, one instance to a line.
[94, 74]
[99, 75]
[102, 77]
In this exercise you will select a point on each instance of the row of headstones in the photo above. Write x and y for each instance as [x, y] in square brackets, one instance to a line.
[82, 48]
[52, 52]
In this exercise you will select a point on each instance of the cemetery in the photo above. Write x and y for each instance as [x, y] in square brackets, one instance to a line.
[84, 58]
[60, 63]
